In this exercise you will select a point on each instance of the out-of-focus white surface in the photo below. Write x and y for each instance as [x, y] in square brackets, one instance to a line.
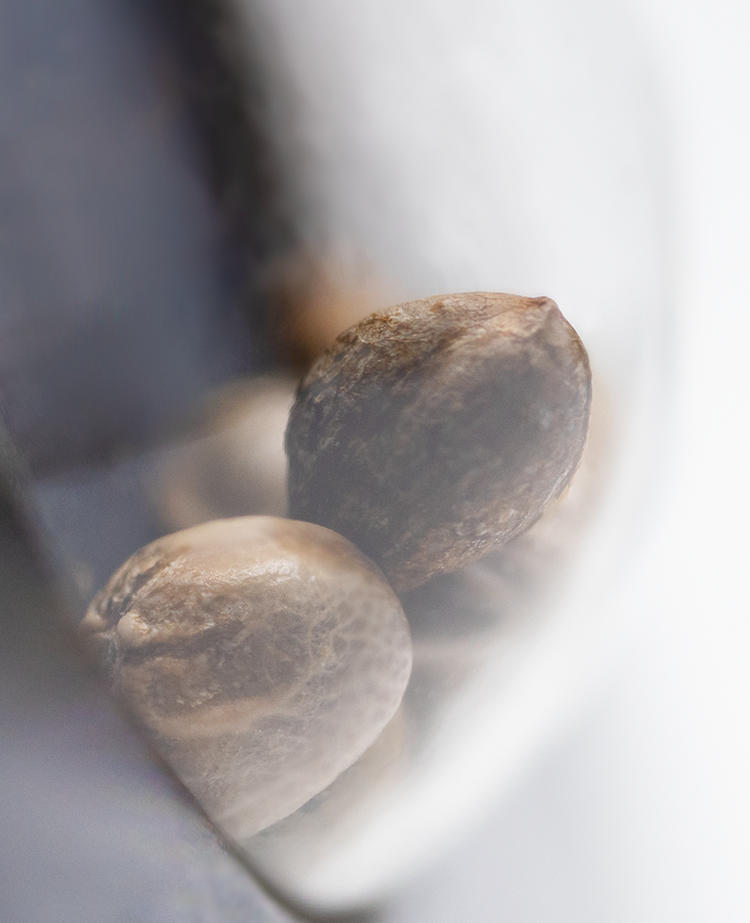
[643, 814]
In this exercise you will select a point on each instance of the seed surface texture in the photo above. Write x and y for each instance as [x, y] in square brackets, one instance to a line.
[263, 655]
[440, 430]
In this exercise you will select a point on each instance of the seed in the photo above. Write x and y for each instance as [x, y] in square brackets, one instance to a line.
[440, 430]
[262, 655]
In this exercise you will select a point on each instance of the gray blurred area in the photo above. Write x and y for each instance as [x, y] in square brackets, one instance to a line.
[130, 253]
[136, 215]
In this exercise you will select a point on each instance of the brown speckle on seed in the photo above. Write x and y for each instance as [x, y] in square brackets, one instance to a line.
[440, 430]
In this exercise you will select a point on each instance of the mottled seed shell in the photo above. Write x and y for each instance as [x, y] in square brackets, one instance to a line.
[263, 655]
[440, 430]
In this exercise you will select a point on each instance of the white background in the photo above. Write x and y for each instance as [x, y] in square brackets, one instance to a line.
[642, 813]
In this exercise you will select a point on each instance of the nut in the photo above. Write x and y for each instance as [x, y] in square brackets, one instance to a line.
[234, 464]
[263, 655]
[436, 432]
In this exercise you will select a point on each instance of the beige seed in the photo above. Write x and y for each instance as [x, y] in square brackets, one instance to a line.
[263, 655]
[436, 432]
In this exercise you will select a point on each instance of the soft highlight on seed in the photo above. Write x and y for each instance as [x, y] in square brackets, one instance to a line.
[262, 655]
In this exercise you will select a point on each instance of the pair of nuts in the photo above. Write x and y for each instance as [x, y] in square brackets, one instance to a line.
[265, 655]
